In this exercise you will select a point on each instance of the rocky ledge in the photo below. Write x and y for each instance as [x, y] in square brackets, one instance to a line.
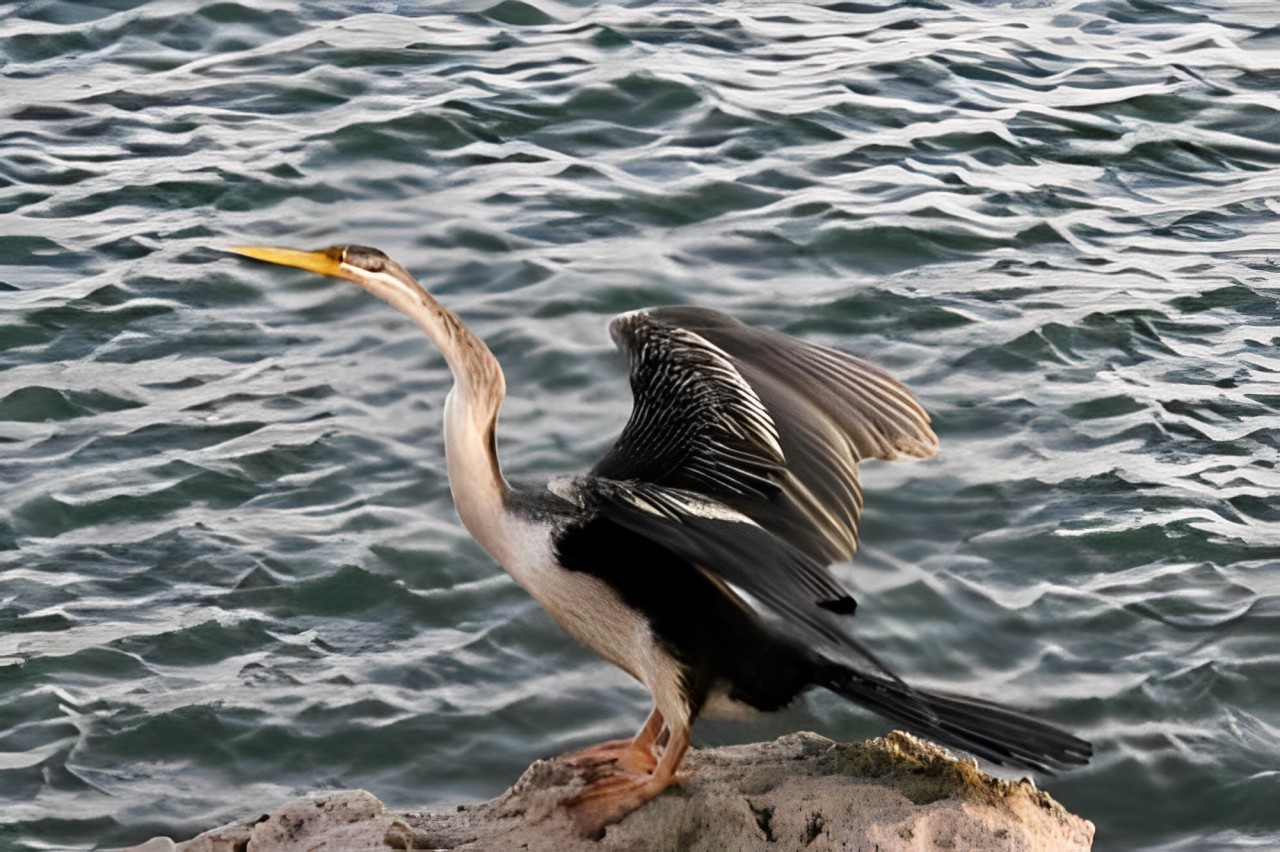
[802, 791]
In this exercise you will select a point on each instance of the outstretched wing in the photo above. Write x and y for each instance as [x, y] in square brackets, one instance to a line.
[767, 424]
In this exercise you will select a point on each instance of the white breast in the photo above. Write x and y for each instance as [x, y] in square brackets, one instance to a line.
[591, 612]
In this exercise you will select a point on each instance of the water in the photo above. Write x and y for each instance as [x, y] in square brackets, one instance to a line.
[230, 571]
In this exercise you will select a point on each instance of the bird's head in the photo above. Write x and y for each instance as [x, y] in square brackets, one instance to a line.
[368, 267]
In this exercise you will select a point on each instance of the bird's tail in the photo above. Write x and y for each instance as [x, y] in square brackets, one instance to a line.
[999, 734]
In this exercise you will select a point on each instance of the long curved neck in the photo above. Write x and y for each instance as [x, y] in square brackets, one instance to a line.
[471, 443]
[470, 414]
[470, 425]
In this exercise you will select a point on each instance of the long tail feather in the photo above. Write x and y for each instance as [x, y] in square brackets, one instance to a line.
[999, 734]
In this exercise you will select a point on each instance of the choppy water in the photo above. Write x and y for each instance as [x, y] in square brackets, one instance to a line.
[230, 572]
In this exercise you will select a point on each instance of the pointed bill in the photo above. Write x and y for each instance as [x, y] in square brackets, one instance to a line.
[322, 262]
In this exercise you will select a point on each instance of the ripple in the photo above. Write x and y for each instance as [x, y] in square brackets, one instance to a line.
[231, 567]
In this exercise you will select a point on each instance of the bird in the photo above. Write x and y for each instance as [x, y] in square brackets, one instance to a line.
[695, 554]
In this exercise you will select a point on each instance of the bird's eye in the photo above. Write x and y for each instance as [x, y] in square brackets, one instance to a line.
[368, 259]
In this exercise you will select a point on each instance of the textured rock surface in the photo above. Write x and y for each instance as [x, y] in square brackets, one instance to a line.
[799, 792]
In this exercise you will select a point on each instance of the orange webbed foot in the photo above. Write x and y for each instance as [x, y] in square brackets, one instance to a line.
[609, 799]
[635, 776]
[605, 759]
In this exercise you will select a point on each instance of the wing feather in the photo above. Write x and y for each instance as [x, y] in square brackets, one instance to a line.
[770, 425]
[733, 549]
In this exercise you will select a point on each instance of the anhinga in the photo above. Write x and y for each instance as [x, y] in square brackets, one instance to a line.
[693, 555]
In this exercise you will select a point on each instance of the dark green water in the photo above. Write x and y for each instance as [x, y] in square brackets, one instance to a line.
[230, 571]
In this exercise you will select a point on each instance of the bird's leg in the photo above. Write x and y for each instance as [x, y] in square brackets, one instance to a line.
[640, 757]
[611, 798]
[632, 755]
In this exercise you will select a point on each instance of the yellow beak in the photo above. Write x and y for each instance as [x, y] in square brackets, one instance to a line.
[323, 262]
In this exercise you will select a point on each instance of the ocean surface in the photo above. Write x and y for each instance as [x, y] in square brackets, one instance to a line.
[230, 569]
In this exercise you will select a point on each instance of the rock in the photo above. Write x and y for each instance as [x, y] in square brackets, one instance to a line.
[799, 792]
[335, 822]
